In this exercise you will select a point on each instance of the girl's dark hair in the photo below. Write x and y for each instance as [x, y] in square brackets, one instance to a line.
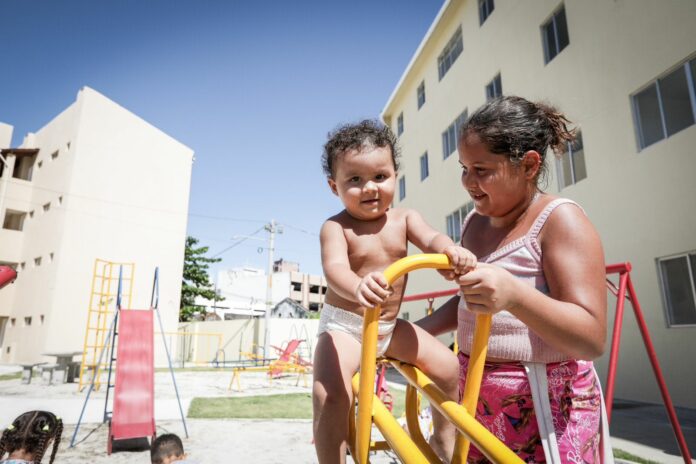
[512, 126]
[32, 432]
[367, 133]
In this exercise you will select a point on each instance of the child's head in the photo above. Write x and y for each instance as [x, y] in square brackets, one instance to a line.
[32, 432]
[513, 126]
[166, 448]
[360, 164]
[357, 137]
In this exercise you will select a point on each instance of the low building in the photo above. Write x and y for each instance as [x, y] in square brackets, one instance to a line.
[96, 181]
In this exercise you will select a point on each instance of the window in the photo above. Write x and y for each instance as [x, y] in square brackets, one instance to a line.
[400, 124]
[47, 207]
[402, 188]
[27, 321]
[421, 94]
[449, 136]
[554, 34]
[449, 55]
[39, 164]
[24, 167]
[424, 166]
[60, 200]
[37, 261]
[494, 89]
[54, 155]
[486, 7]
[679, 288]
[14, 220]
[50, 257]
[405, 316]
[666, 106]
[454, 221]
[42, 318]
[570, 168]
[13, 321]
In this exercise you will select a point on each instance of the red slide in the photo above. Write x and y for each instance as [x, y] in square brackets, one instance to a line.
[7, 275]
[134, 392]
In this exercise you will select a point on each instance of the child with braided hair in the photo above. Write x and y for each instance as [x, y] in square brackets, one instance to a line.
[29, 436]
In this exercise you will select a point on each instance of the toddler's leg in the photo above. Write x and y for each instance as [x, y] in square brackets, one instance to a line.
[415, 346]
[336, 359]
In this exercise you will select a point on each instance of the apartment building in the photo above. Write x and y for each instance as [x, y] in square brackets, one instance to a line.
[96, 181]
[625, 72]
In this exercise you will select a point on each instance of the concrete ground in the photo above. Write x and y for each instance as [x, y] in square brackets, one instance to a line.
[640, 429]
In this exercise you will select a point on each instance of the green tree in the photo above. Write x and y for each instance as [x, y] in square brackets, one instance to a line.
[196, 280]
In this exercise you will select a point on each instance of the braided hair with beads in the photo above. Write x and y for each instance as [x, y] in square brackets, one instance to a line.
[32, 432]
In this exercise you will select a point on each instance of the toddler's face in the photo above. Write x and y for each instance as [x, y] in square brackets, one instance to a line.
[365, 181]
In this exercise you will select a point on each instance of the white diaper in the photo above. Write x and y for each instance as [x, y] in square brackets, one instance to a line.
[337, 319]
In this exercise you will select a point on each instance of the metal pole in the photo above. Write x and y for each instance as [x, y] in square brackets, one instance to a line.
[155, 305]
[271, 228]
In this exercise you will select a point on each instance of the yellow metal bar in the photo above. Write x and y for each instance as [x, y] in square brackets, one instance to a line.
[477, 361]
[412, 407]
[485, 441]
[369, 346]
[396, 436]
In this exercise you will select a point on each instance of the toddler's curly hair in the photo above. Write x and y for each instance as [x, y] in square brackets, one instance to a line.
[366, 133]
[32, 432]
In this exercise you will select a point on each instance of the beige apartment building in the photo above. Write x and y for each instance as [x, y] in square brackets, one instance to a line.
[96, 181]
[307, 290]
[625, 72]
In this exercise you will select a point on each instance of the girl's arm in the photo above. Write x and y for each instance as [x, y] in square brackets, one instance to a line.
[572, 318]
[442, 320]
[369, 290]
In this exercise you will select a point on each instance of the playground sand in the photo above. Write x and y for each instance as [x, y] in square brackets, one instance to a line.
[210, 440]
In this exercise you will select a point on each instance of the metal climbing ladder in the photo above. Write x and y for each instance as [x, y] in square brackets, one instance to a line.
[102, 303]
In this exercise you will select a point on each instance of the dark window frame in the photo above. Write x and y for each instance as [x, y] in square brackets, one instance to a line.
[552, 24]
[485, 8]
[688, 66]
[449, 55]
[424, 168]
[690, 258]
[420, 94]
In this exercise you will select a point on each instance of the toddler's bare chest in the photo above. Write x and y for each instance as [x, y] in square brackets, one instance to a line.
[376, 251]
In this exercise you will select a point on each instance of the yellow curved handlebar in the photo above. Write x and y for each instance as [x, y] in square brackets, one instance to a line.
[369, 353]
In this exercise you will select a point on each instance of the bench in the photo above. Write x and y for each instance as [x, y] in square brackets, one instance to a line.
[28, 370]
[49, 370]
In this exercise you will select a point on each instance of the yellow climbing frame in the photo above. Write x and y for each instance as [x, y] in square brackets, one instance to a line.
[414, 449]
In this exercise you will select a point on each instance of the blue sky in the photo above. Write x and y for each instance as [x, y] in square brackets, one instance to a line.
[252, 87]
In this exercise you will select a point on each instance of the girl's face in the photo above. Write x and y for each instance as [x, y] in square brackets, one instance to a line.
[495, 185]
[365, 181]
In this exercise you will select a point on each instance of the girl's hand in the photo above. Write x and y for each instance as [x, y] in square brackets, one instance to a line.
[488, 289]
[462, 261]
[372, 290]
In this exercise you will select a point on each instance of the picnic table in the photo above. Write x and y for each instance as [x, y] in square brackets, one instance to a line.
[65, 363]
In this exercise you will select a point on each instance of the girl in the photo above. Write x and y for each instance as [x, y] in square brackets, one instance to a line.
[29, 436]
[541, 275]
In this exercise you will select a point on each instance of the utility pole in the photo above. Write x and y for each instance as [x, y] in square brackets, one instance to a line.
[272, 228]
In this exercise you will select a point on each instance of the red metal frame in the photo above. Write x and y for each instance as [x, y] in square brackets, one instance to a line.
[625, 284]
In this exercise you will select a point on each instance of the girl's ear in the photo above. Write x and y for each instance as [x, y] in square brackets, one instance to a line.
[332, 185]
[531, 163]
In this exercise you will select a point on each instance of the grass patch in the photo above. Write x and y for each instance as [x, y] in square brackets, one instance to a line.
[621, 454]
[13, 376]
[290, 406]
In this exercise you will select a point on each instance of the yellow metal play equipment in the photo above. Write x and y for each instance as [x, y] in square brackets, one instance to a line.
[102, 303]
[414, 448]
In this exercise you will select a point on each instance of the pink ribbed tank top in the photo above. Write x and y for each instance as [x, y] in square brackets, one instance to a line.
[510, 338]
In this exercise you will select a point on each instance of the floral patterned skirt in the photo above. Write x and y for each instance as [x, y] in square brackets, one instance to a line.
[505, 408]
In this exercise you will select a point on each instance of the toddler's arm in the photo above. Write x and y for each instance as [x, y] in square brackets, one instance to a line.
[370, 290]
[429, 240]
